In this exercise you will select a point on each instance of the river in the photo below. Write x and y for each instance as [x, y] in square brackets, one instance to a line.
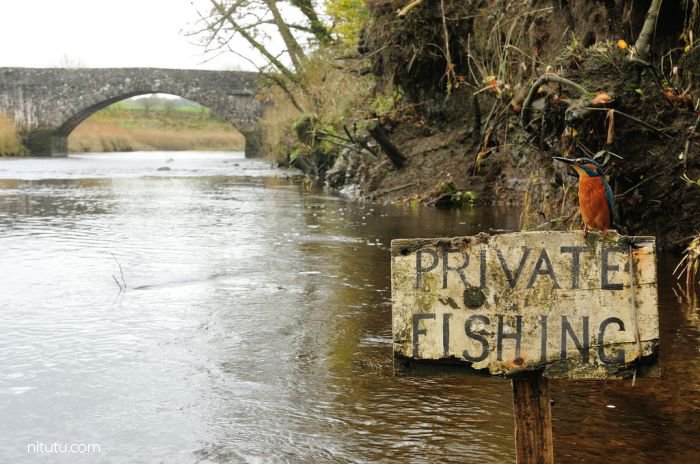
[255, 327]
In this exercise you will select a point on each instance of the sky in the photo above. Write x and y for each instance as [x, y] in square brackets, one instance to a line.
[104, 33]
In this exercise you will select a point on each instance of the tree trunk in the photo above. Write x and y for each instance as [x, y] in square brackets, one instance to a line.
[643, 44]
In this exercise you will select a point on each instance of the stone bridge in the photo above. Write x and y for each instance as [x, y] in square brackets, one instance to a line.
[48, 103]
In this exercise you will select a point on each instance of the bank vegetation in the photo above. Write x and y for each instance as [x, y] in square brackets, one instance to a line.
[128, 127]
[10, 142]
[146, 124]
[448, 102]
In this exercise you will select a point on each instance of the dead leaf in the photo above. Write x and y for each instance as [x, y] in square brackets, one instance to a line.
[601, 98]
[610, 119]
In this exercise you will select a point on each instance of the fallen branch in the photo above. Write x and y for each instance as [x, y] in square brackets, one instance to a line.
[377, 131]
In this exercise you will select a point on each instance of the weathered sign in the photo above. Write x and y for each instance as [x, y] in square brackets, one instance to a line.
[569, 306]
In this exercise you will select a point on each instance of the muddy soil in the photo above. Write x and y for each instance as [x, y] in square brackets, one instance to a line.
[463, 148]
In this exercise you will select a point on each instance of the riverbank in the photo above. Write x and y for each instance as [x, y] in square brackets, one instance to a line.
[469, 102]
[10, 143]
[128, 128]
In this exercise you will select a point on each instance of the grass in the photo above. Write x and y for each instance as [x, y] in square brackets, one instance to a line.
[334, 95]
[689, 265]
[10, 143]
[128, 127]
[161, 105]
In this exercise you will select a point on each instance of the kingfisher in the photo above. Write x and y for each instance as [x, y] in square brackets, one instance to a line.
[595, 197]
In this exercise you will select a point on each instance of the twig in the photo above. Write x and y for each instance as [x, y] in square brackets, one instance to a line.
[619, 195]
[347, 132]
[117, 282]
[328, 134]
[120, 271]
[342, 145]
[391, 190]
[644, 123]
[686, 150]
[449, 68]
[379, 50]
[587, 151]
[407, 9]
[490, 115]
[358, 141]
[560, 219]
[476, 108]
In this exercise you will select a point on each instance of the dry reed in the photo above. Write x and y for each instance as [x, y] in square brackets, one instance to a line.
[98, 136]
[10, 142]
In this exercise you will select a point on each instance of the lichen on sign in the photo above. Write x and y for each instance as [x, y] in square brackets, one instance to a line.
[570, 306]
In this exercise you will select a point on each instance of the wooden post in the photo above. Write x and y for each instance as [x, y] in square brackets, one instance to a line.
[465, 299]
[533, 420]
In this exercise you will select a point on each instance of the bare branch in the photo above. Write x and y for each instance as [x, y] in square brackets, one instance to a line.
[296, 53]
[317, 28]
[228, 15]
[275, 79]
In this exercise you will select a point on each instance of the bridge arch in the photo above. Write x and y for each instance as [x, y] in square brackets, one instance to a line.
[49, 103]
[159, 121]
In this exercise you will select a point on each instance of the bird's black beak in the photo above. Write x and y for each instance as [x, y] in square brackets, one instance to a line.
[568, 161]
[564, 160]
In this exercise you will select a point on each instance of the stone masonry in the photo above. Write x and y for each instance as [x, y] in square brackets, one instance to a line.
[48, 103]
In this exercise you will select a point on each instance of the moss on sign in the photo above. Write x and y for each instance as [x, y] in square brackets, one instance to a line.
[552, 301]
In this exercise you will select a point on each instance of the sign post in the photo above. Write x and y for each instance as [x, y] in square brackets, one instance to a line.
[528, 306]
[533, 420]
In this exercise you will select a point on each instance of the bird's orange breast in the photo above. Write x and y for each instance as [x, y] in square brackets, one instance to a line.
[594, 205]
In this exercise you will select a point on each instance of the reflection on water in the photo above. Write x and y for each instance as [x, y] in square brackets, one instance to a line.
[256, 327]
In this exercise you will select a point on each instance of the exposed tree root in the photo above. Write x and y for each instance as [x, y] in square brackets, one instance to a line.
[525, 112]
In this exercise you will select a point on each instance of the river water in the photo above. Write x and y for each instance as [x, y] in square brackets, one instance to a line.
[256, 327]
